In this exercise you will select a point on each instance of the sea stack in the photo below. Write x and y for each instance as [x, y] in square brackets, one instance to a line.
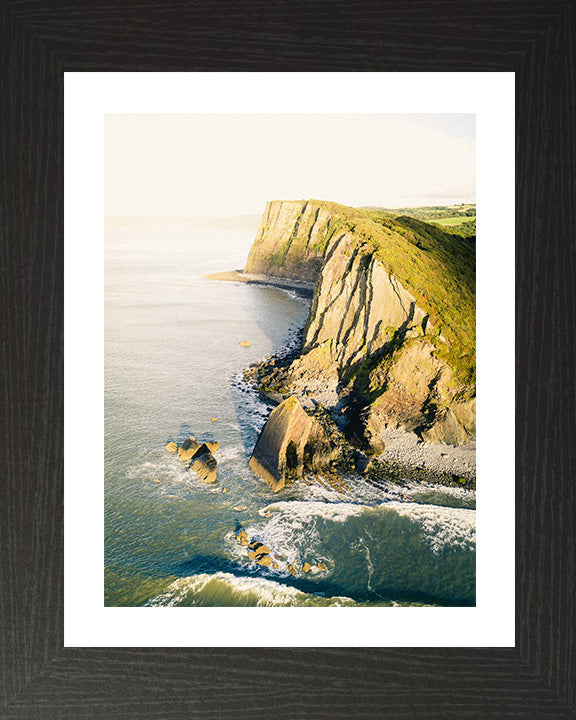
[291, 441]
[278, 457]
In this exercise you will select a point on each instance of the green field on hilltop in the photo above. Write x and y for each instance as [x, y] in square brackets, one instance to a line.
[435, 213]
[451, 220]
[460, 219]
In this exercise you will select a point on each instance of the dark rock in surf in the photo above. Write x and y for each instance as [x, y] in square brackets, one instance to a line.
[257, 549]
[242, 537]
[204, 464]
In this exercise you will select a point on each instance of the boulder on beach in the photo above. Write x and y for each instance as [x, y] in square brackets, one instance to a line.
[171, 447]
[306, 567]
[212, 445]
[289, 441]
[264, 560]
[291, 570]
[242, 537]
[245, 343]
[204, 464]
[322, 566]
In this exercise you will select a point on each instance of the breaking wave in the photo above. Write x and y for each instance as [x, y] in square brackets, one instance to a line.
[370, 552]
[227, 589]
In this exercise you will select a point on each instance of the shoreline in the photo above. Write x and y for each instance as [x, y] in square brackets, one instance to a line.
[301, 286]
[405, 455]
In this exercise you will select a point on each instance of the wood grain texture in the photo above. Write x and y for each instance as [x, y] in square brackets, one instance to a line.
[39, 41]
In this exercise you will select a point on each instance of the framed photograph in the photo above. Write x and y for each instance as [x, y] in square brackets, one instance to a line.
[314, 460]
[300, 433]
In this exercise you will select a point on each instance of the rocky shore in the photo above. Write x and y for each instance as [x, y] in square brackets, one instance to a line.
[382, 379]
[404, 455]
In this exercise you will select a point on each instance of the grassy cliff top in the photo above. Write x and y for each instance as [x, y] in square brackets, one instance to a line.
[436, 266]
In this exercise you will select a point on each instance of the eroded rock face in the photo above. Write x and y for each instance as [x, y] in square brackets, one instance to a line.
[278, 456]
[418, 394]
[290, 241]
[361, 313]
[357, 304]
[187, 449]
[204, 464]
[290, 441]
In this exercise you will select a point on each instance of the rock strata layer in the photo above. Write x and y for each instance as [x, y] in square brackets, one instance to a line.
[197, 456]
[290, 442]
[204, 464]
[290, 241]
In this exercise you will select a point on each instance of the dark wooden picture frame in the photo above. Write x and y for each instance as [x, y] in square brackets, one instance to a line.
[39, 678]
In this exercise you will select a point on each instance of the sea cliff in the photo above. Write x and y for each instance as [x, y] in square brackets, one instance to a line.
[291, 240]
[390, 339]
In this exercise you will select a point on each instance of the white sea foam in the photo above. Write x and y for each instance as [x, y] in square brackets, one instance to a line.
[442, 526]
[230, 589]
[304, 511]
[415, 489]
[291, 530]
[295, 522]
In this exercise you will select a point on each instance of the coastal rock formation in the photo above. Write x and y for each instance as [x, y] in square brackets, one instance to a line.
[242, 537]
[358, 305]
[390, 338]
[291, 240]
[187, 449]
[257, 549]
[279, 453]
[190, 447]
[204, 464]
[290, 441]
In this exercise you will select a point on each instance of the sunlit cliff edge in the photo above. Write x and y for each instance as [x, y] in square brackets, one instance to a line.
[390, 338]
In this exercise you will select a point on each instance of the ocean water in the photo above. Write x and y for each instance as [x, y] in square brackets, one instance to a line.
[173, 368]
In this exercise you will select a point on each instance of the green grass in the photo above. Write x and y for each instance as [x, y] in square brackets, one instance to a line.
[466, 229]
[433, 212]
[451, 220]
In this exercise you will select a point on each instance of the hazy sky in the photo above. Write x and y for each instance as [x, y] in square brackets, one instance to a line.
[225, 165]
